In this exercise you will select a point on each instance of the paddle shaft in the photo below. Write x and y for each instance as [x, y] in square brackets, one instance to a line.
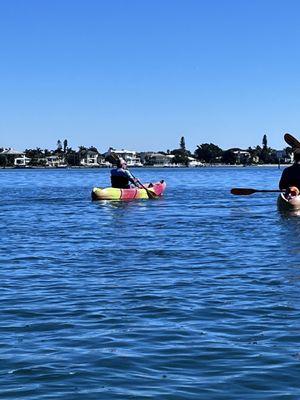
[268, 190]
[248, 191]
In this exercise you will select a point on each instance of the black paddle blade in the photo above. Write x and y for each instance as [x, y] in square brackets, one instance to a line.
[291, 141]
[242, 191]
[151, 194]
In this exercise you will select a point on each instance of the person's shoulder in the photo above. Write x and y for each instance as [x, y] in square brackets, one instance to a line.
[291, 169]
[286, 171]
[128, 173]
[294, 166]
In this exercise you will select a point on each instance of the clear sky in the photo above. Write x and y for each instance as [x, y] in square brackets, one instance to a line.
[140, 74]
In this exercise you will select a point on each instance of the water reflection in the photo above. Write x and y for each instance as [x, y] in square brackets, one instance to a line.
[290, 232]
[120, 205]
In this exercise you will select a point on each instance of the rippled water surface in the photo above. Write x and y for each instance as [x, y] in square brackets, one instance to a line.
[193, 296]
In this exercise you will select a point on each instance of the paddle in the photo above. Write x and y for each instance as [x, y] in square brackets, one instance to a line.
[152, 195]
[246, 192]
[291, 141]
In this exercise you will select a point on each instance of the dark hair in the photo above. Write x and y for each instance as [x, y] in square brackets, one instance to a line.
[120, 162]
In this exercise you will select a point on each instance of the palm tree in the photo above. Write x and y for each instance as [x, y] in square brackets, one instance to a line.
[265, 141]
[59, 146]
[65, 145]
[182, 144]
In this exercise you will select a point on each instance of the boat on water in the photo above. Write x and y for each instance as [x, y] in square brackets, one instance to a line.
[134, 193]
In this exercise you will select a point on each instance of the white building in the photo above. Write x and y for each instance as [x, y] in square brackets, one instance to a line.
[129, 156]
[158, 159]
[19, 158]
[55, 161]
[242, 156]
[89, 158]
[22, 161]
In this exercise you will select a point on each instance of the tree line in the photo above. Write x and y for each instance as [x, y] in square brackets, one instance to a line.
[208, 153]
[211, 153]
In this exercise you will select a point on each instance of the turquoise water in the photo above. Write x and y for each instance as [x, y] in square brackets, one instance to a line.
[194, 296]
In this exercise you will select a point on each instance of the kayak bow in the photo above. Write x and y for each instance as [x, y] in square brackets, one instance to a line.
[288, 204]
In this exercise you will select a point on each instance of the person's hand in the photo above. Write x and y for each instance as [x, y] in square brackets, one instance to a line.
[138, 183]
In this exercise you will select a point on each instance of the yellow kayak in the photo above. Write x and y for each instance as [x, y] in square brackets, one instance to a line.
[110, 193]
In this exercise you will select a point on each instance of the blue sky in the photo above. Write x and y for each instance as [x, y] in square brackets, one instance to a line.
[141, 74]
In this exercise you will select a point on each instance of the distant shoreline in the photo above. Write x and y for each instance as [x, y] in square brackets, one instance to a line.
[153, 167]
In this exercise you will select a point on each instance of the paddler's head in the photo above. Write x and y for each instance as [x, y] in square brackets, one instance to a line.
[296, 155]
[121, 163]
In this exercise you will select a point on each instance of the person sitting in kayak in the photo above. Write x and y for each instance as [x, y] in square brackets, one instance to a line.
[290, 177]
[120, 177]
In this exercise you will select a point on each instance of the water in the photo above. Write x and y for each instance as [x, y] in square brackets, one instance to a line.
[194, 296]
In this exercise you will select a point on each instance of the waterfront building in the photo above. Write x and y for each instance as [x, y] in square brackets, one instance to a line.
[15, 158]
[129, 156]
[285, 157]
[22, 161]
[89, 158]
[242, 156]
[55, 161]
[157, 159]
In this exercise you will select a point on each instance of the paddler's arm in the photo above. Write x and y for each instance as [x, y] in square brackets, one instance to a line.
[132, 179]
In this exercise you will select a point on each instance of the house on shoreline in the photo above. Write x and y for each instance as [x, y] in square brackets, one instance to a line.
[129, 156]
[153, 159]
[14, 158]
[284, 157]
[55, 161]
[89, 158]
